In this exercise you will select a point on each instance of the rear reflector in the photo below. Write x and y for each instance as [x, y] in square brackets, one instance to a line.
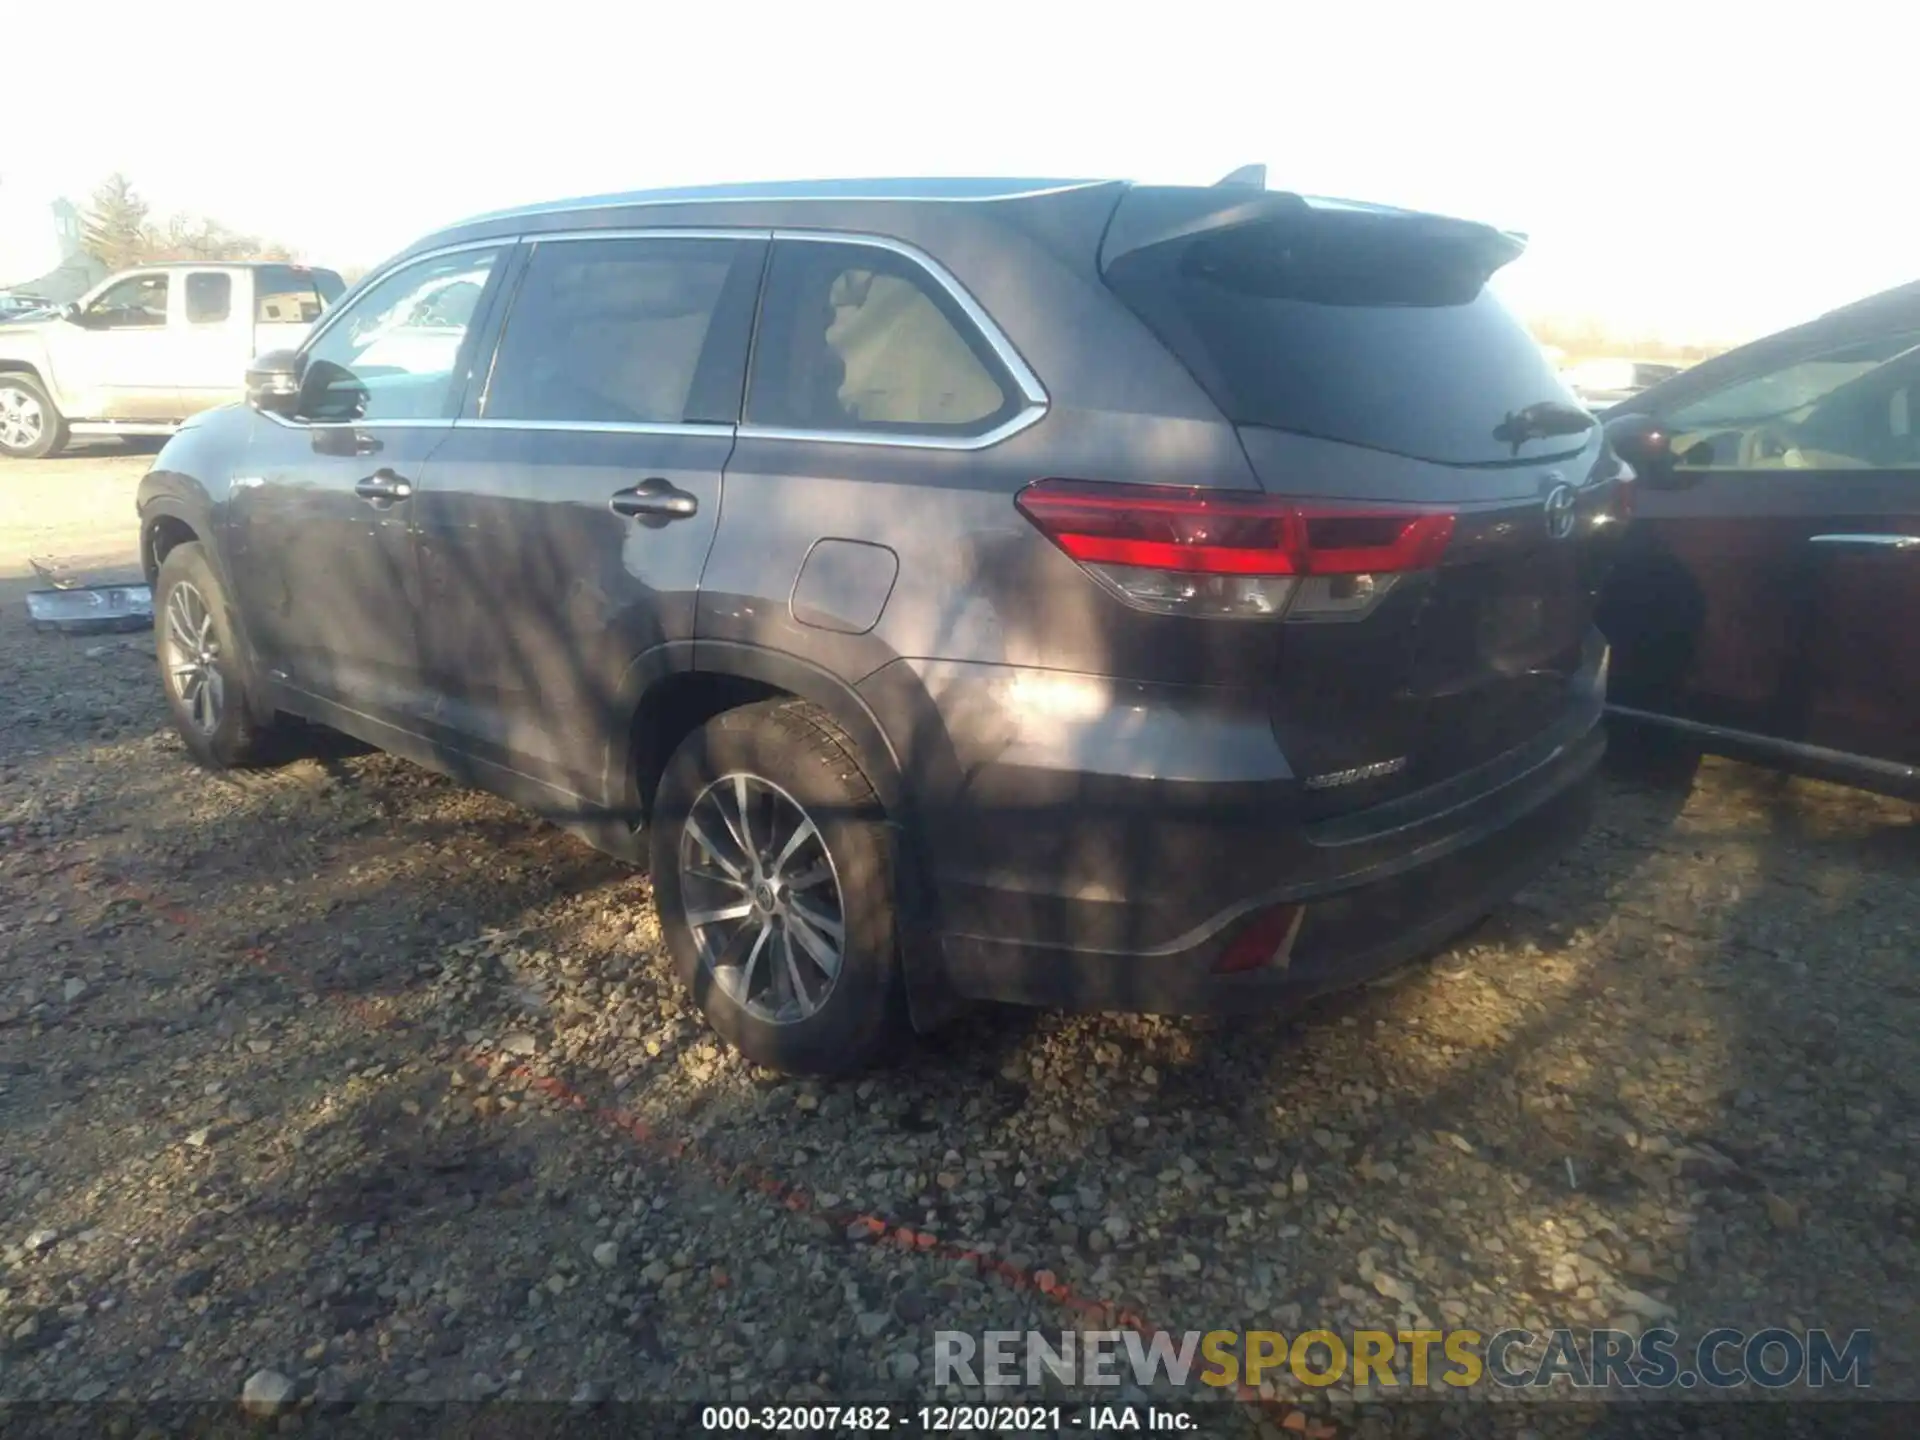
[1265, 942]
[1184, 550]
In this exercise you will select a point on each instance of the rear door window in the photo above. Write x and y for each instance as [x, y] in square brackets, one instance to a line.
[628, 331]
[1349, 326]
[209, 297]
[860, 339]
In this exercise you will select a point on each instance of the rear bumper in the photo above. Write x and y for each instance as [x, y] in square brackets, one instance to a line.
[1374, 922]
[1104, 891]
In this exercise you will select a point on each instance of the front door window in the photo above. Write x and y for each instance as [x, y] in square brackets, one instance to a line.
[1850, 408]
[138, 302]
[394, 355]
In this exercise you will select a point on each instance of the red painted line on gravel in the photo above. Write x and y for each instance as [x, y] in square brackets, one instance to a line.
[1104, 1314]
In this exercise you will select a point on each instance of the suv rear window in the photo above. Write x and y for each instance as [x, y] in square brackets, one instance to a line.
[1354, 326]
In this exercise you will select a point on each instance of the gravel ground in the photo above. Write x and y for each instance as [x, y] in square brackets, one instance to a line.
[76, 510]
[348, 1073]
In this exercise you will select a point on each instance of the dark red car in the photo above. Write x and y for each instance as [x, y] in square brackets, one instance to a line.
[1766, 599]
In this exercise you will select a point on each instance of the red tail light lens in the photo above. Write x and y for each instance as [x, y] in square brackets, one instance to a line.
[1182, 550]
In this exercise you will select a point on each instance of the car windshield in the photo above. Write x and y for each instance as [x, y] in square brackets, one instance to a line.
[1793, 387]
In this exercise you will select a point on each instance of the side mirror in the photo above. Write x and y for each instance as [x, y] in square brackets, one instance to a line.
[71, 311]
[273, 382]
[1646, 445]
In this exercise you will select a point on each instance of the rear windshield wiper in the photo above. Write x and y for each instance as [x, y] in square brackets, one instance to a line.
[1540, 421]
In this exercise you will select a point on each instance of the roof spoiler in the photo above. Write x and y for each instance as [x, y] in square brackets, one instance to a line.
[1254, 177]
[1149, 216]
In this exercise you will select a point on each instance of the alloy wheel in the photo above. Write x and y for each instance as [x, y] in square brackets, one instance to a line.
[193, 658]
[762, 898]
[22, 420]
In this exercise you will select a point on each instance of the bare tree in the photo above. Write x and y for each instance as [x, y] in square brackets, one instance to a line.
[195, 237]
[119, 230]
[114, 228]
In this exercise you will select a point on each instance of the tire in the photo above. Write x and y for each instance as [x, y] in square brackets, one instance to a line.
[31, 427]
[194, 636]
[769, 995]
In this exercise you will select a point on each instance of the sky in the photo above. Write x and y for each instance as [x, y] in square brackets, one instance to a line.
[1689, 169]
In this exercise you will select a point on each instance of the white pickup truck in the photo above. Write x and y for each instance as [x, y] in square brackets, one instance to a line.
[146, 348]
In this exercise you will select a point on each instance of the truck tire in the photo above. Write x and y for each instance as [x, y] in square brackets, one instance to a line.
[31, 427]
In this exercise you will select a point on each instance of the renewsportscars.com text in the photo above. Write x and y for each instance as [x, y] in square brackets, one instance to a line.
[1773, 1358]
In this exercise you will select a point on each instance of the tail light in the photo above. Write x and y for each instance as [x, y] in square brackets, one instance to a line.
[1234, 554]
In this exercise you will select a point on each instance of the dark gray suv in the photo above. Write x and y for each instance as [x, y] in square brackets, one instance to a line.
[1071, 593]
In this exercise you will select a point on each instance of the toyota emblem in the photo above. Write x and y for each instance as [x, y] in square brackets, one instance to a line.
[1560, 511]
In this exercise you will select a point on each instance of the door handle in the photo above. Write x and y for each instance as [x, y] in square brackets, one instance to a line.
[383, 485]
[654, 499]
[1883, 542]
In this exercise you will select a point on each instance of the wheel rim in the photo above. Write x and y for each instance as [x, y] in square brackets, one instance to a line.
[21, 418]
[762, 898]
[193, 658]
